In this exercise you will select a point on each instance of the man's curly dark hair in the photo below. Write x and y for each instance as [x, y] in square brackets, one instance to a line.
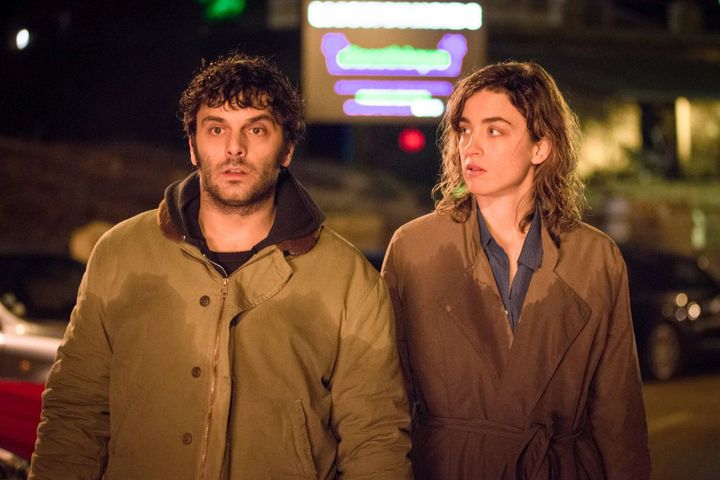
[244, 81]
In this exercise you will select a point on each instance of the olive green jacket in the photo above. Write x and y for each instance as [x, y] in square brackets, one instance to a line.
[168, 370]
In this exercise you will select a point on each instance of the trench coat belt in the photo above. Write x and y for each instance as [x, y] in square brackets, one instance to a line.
[531, 458]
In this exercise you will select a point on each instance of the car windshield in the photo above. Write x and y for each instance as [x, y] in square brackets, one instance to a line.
[39, 288]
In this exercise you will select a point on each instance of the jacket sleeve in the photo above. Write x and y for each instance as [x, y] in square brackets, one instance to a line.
[617, 410]
[74, 425]
[392, 278]
[369, 415]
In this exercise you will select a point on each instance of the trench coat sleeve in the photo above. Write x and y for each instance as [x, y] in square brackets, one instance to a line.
[392, 279]
[370, 416]
[74, 425]
[617, 410]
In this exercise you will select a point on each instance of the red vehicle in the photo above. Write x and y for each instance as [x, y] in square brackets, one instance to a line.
[19, 417]
[37, 294]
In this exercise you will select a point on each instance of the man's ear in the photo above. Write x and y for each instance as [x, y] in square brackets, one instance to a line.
[192, 151]
[287, 156]
[541, 151]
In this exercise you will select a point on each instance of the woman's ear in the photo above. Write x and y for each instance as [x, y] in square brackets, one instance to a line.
[541, 151]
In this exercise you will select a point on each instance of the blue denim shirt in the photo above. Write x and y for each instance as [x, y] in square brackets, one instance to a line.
[513, 295]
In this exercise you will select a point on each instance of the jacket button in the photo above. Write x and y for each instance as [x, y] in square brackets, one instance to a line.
[204, 300]
[196, 372]
[187, 438]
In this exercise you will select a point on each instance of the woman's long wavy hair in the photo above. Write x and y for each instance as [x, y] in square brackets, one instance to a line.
[557, 188]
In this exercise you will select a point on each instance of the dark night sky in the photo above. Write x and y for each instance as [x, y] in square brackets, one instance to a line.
[114, 69]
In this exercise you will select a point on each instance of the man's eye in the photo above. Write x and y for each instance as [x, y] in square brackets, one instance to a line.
[215, 131]
[257, 130]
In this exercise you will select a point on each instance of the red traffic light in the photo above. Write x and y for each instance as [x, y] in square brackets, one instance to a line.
[411, 140]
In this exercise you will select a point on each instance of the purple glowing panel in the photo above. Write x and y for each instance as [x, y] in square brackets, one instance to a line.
[352, 108]
[349, 87]
[453, 43]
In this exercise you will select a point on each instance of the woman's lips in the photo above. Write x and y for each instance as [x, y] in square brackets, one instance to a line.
[473, 170]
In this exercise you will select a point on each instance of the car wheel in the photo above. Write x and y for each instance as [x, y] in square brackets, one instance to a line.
[663, 351]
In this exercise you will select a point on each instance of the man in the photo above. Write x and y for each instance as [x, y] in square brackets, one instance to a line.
[513, 317]
[228, 334]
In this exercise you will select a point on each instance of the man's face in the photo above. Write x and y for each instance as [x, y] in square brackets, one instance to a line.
[238, 152]
[497, 154]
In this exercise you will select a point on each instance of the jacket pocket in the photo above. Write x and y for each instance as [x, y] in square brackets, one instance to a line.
[302, 441]
[270, 440]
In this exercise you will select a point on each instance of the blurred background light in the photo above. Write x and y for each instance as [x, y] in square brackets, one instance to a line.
[411, 15]
[411, 140]
[22, 39]
[684, 130]
[681, 300]
[223, 9]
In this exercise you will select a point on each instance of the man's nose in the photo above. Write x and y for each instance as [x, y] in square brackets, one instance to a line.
[236, 145]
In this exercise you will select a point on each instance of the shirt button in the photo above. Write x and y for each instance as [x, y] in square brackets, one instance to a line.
[187, 438]
[204, 300]
[196, 372]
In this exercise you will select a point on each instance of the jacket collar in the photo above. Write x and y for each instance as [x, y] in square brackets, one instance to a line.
[297, 225]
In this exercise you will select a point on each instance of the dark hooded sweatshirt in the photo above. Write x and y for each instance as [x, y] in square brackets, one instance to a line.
[296, 216]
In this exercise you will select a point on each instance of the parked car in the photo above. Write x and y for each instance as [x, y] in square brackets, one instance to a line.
[37, 294]
[676, 310]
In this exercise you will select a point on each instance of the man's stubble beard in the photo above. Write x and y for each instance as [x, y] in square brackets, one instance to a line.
[252, 199]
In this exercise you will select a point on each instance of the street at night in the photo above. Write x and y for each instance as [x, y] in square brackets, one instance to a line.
[684, 426]
[190, 192]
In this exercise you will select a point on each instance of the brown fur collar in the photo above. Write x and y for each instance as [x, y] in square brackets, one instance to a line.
[293, 246]
[165, 223]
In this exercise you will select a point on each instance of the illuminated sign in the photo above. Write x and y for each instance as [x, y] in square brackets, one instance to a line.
[415, 15]
[380, 61]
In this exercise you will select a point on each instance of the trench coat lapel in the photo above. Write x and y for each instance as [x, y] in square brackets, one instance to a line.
[473, 304]
[553, 314]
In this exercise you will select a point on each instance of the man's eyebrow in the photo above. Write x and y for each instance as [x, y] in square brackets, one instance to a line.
[261, 117]
[256, 118]
[212, 118]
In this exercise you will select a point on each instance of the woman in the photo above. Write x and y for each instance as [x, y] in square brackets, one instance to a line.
[514, 324]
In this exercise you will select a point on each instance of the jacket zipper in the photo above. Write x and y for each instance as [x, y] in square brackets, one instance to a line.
[213, 381]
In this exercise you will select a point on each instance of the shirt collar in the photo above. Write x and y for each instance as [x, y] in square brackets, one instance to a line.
[485, 237]
[531, 253]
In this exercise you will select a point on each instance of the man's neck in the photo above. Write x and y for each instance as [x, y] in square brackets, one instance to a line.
[227, 230]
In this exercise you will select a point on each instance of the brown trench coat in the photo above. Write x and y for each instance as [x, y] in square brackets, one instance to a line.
[559, 399]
